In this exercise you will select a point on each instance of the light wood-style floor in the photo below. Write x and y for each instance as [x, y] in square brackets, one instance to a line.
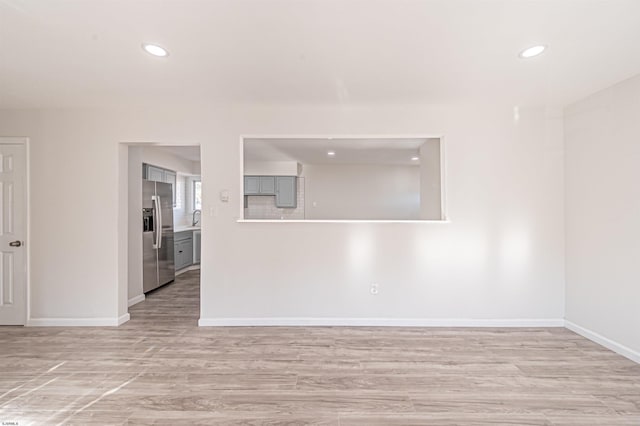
[160, 368]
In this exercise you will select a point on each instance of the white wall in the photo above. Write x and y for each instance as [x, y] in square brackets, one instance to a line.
[74, 187]
[602, 135]
[500, 257]
[158, 157]
[431, 188]
[271, 168]
[359, 191]
[134, 240]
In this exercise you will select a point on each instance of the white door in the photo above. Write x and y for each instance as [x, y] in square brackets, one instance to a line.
[12, 232]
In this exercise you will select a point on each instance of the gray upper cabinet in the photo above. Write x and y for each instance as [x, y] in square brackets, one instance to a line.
[283, 187]
[286, 192]
[159, 174]
[170, 177]
[267, 185]
[155, 173]
[259, 185]
[251, 185]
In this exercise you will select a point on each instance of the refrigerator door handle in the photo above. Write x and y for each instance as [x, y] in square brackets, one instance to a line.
[157, 222]
[159, 206]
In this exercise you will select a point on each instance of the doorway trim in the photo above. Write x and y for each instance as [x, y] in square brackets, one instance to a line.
[23, 140]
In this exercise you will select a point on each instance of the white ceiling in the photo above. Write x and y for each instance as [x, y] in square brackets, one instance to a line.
[87, 53]
[191, 153]
[348, 151]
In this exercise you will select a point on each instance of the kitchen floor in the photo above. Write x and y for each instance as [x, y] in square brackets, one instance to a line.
[160, 368]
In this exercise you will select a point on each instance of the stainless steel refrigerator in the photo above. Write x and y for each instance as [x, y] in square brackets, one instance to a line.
[157, 235]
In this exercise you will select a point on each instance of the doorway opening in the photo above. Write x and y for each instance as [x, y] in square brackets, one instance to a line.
[164, 193]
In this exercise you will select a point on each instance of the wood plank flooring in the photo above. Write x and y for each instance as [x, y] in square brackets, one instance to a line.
[160, 368]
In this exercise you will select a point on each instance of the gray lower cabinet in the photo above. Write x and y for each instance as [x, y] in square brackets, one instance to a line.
[183, 249]
[286, 192]
[196, 246]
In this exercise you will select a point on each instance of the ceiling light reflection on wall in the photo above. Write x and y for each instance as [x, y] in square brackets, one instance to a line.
[331, 153]
[155, 50]
[415, 158]
[532, 51]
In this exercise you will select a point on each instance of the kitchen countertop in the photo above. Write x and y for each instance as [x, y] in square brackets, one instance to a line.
[186, 228]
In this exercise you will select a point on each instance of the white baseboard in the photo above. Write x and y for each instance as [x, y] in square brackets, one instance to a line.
[187, 269]
[601, 340]
[377, 322]
[77, 322]
[124, 318]
[137, 299]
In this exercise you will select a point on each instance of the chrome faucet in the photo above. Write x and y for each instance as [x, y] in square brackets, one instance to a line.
[195, 222]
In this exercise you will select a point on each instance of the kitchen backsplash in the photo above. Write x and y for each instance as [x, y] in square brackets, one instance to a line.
[264, 206]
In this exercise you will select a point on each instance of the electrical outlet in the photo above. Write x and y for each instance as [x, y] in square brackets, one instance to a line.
[373, 289]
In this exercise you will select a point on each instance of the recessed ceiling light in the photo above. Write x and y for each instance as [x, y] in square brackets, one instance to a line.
[532, 51]
[331, 153]
[415, 158]
[155, 50]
